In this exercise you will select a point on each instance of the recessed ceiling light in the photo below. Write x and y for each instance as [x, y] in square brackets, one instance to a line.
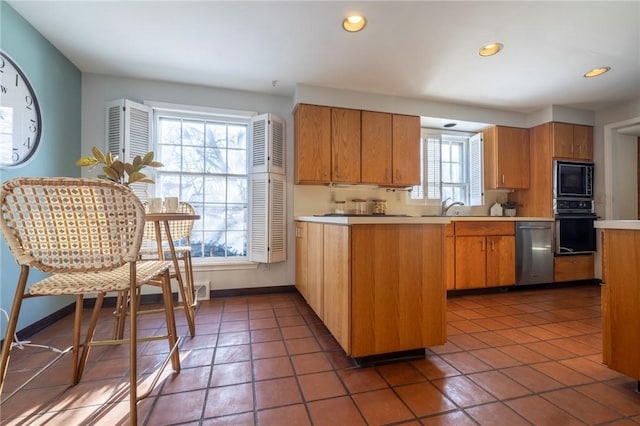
[354, 23]
[596, 72]
[449, 125]
[490, 49]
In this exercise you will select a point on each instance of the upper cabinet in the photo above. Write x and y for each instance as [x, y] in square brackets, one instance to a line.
[312, 135]
[506, 158]
[406, 150]
[377, 147]
[572, 141]
[352, 146]
[345, 145]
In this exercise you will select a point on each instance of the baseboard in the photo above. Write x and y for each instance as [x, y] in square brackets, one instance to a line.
[253, 291]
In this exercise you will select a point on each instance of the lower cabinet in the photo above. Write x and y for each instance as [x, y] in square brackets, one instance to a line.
[309, 264]
[383, 285]
[484, 254]
[573, 267]
[621, 301]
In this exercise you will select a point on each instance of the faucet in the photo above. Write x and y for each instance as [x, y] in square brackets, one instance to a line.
[444, 208]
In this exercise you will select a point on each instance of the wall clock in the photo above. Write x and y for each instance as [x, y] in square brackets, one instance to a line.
[20, 119]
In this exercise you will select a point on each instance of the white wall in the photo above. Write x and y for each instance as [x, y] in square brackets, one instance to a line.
[625, 188]
[98, 89]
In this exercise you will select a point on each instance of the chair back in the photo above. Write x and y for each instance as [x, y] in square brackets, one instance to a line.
[180, 229]
[71, 224]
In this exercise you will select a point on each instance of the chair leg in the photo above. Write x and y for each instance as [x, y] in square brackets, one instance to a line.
[77, 328]
[133, 349]
[171, 320]
[89, 338]
[120, 314]
[189, 301]
[13, 323]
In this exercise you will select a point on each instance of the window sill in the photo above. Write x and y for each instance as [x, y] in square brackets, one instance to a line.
[205, 265]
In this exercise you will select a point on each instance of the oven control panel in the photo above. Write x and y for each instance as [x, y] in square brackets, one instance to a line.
[573, 206]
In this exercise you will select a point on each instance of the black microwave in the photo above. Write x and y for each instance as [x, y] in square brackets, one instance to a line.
[572, 179]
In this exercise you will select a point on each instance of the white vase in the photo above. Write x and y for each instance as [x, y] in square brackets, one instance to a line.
[510, 212]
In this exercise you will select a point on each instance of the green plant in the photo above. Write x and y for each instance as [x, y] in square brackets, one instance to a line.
[509, 204]
[118, 171]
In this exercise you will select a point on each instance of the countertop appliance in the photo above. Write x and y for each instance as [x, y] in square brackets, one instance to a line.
[572, 179]
[534, 252]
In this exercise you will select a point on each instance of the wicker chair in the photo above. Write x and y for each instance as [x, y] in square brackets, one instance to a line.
[180, 231]
[86, 233]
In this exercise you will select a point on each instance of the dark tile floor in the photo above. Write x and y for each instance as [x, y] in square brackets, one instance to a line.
[513, 358]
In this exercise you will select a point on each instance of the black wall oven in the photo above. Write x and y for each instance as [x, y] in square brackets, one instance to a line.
[575, 234]
[572, 179]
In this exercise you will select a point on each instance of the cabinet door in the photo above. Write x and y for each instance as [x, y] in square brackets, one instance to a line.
[562, 140]
[501, 260]
[312, 141]
[376, 148]
[345, 145]
[406, 150]
[301, 258]
[470, 262]
[337, 283]
[507, 158]
[583, 142]
[315, 267]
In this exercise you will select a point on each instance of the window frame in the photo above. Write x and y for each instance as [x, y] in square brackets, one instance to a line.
[185, 112]
[429, 188]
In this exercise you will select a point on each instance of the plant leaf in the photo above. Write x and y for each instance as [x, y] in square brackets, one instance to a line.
[155, 164]
[136, 176]
[98, 154]
[148, 158]
[111, 173]
[86, 161]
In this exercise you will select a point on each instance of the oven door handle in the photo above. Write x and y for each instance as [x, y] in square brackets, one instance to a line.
[582, 216]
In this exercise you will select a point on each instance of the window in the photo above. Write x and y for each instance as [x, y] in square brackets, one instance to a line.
[205, 163]
[451, 168]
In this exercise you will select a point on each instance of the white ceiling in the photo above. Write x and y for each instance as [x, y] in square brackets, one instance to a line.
[421, 49]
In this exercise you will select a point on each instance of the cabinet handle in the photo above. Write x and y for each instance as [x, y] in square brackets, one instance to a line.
[386, 175]
[493, 247]
[503, 178]
[572, 148]
[482, 246]
[579, 149]
[398, 174]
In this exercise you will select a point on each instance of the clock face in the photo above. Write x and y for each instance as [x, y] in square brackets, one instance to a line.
[20, 119]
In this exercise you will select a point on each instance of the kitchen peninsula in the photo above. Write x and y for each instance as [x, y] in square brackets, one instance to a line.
[621, 295]
[379, 283]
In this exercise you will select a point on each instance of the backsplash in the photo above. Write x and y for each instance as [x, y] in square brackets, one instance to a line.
[319, 199]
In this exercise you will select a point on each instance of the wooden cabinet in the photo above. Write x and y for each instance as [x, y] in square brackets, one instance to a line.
[301, 258]
[549, 141]
[310, 264]
[621, 301]
[377, 148]
[352, 146]
[345, 145]
[572, 141]
[484, 254]
[506, 157]
[406, 150]
[390, 149]
[312, 135]
[573, 268]
[382, 285]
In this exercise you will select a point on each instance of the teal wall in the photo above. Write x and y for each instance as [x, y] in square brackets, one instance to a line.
[57, 83]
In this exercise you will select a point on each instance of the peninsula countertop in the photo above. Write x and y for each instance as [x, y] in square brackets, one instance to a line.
[617, 224]
[391, 219]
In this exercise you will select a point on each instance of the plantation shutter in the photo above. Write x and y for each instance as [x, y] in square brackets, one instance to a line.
[128, 134]
[434, 177]
[268, 218]
[268, 144]
[475, 170]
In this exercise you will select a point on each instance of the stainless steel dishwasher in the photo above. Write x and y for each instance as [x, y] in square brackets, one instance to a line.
[534, 252]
